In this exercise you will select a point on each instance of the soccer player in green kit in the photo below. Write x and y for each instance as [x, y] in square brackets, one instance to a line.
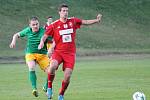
[33, 56]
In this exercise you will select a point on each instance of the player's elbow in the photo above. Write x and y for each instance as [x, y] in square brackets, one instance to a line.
[16, 35]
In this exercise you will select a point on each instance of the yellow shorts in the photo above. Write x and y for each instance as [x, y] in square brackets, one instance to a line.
[41, 59]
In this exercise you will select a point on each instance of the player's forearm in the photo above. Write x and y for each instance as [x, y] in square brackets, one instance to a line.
[93, 21]
[88, 22]
[13, 42]
[15, 37]
[44, 37]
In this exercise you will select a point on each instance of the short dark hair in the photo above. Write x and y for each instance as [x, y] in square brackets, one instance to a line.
[61, 6]
[49, 17]
[34, 18]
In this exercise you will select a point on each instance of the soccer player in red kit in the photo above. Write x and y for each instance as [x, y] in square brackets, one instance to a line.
[49, 21]
[63, 32]
[50, 42]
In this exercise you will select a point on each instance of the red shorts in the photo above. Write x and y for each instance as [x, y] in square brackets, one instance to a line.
[68, 59]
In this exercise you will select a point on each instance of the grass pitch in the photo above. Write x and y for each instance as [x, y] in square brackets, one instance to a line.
[110, 78]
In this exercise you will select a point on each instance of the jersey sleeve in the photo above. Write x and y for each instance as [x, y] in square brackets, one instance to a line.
[78, 22]
[45, 26]
[24, 32]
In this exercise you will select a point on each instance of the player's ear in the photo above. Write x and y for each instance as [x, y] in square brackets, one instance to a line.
[29, 25]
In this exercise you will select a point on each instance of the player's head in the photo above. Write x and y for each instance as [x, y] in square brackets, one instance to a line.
[34, 24]
[50, 19]
[63, 11]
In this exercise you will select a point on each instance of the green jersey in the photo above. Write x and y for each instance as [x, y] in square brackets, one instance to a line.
[33, 40]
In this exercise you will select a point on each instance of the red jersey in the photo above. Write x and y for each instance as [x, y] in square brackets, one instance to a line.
[46, 26]
[49, 38]
[64, 34]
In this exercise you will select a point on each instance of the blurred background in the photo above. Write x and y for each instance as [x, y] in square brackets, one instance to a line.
[125, 26]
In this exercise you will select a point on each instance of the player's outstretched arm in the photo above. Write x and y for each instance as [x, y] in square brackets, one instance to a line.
[14, 39]
[43, 39]
[92, 21]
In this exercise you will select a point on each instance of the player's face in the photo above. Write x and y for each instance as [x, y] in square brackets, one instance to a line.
[34, 25]
[50, 20]
[64, 12]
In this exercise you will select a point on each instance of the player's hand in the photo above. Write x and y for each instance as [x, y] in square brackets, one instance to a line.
[12, 45]
[99, 16]
[41, 45]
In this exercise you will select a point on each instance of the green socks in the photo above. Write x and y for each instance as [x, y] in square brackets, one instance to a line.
[46, 84]
[33, 79]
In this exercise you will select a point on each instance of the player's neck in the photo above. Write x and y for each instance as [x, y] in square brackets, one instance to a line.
[63, 20]
[48, 23]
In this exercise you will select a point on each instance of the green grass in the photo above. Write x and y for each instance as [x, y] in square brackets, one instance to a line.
[104, 78]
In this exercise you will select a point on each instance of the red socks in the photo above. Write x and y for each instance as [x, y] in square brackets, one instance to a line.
[63, 88]
[50, 79]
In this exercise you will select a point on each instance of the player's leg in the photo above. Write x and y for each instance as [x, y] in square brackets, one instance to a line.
[44, 65]
[56, 59]
[51, 74]
[49, 45]
[32, 75]
[45, 86]
[68, 65]
[43, 61]
[65, 83]
[33, 78]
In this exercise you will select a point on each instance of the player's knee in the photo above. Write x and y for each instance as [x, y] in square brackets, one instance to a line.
[67, 75]
[51, 70]
[31, 65]
[54, 64]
